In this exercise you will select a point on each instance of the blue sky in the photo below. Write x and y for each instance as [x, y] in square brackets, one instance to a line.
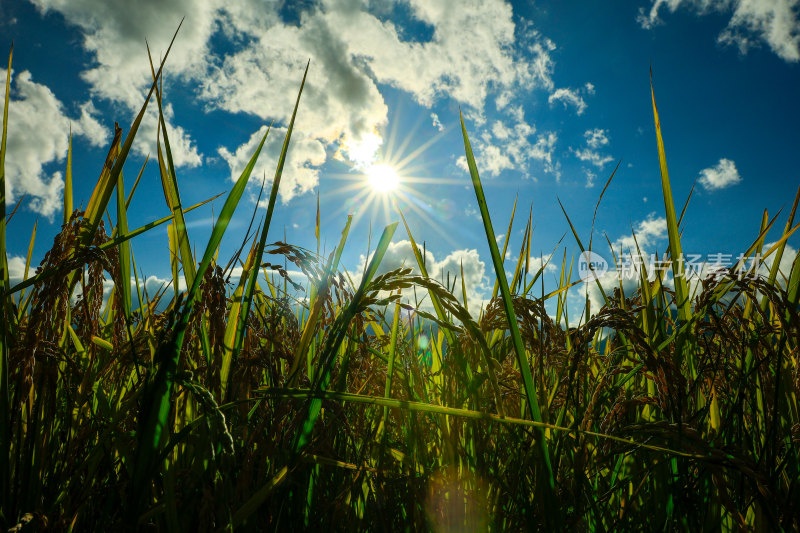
[553, 93]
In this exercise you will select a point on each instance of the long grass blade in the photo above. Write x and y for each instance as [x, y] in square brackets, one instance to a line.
[421, 407]
[124, 250]
[169, 182]
[68, 181]
[5, 308]
[519, 347]
[231, 326]
[28, 258]
[258, 498]
[681, 287]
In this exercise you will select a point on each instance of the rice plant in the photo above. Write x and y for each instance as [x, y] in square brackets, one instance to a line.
[239, 407]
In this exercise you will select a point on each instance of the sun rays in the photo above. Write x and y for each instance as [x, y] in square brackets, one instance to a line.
[394, 177]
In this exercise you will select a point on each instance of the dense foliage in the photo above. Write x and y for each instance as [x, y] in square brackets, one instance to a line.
[236, 404]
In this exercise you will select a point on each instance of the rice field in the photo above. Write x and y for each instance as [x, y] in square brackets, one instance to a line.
[237, 406]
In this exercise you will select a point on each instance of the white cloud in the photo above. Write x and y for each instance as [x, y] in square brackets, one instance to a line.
[115, 34]
[503, 147]
[89, 127]
[595, 139]
[720, 176]
[568, 97]
[183, 148]
[16, 269]
[774, 22]
[464, 65]
[536, 263]
[590, 156]
[572, 97]
[301, 170]
[648, 232]
[153, 284]
[340, 102]
[590, 177]
[436, 122]
[352, 50]
[38, 129]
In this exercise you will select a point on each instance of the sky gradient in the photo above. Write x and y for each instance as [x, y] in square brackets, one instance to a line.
[553, 97]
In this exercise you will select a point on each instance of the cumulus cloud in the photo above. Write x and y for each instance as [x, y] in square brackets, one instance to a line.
[183, 147]
[720, 176]
[462, 65]
[648, 232]
[340, 101]
[301, 170]
[590, 156]
[752, 22]
[115, 33]
[16, 269]
[513, 147]
[352, 49]
[38, 127]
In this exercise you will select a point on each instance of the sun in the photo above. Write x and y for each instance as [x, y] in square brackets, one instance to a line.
[386, 177]
[382, 178]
